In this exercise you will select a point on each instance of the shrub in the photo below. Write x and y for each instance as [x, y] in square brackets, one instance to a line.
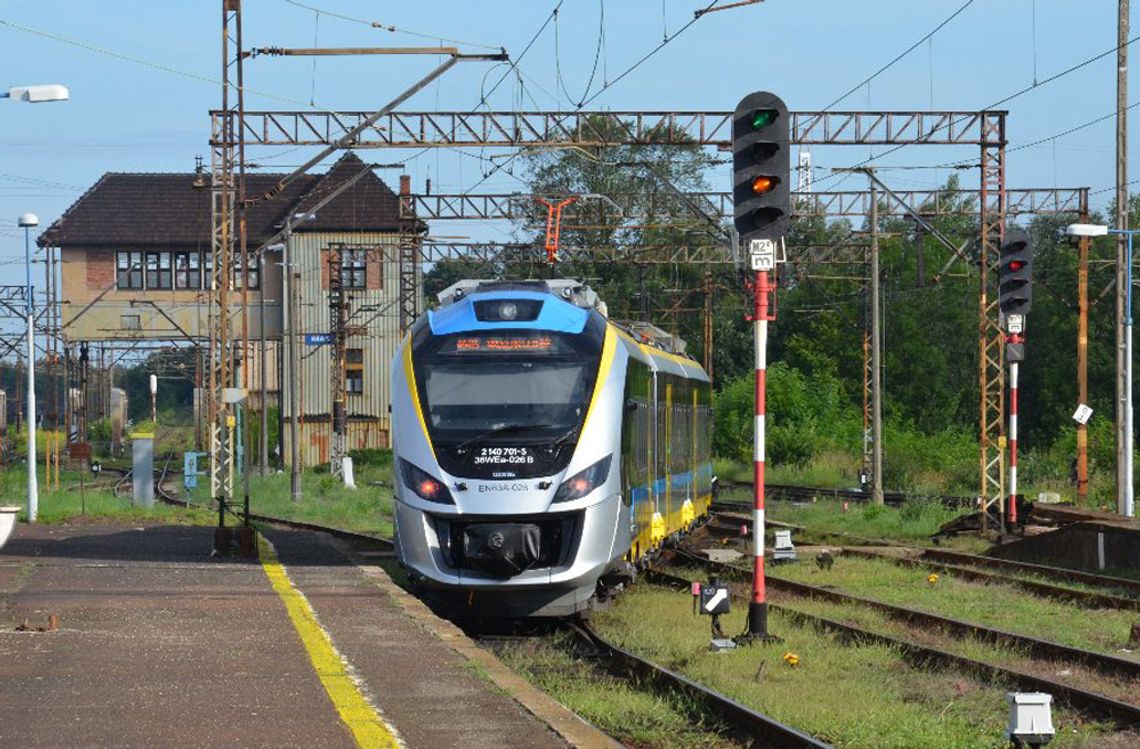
[371, 456]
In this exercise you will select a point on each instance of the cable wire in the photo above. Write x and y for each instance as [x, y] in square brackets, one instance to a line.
[388, 27]
[649, 54]
[900, 56]
[1007, 99]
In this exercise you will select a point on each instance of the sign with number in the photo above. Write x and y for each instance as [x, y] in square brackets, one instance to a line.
[1082, 414]
[318, 339]
[762, 253]
[715, 599]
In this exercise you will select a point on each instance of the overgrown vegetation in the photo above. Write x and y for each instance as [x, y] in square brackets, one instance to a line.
[324, 498]
[855, 696]
[637, 718]
[83, 496]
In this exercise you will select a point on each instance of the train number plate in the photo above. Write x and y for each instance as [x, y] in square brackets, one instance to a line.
[503, 456]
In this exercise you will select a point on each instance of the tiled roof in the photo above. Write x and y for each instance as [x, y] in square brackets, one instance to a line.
[168, 209]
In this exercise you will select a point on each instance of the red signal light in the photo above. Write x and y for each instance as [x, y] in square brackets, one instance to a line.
[1016, 265]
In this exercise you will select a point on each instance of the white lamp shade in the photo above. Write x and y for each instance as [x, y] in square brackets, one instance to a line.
[28, 219]
[38, 94]
[1086, 230]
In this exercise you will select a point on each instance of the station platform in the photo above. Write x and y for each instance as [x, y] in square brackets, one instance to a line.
[133, 636]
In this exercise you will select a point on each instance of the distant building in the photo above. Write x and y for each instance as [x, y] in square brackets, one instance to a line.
[136, 266]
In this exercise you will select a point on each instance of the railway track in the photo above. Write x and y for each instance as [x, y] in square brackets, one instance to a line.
[753, 725]
[795, 493]
[1124, 591]
[1087, 598]
[1089, 703]
[1043, 649]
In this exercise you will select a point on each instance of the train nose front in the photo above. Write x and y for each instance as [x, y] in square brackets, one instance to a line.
[502, 550]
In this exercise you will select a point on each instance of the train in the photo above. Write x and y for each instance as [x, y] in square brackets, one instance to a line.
[542, 452]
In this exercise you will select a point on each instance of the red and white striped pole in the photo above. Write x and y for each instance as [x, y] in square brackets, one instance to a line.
[1012, 512]
[758, 607]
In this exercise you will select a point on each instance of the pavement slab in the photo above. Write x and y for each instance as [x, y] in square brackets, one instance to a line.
[160, 645]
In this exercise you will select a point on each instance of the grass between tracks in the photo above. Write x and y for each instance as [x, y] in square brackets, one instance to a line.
[913, 523]
[637, 718]
[992, 604]
[324, 501]
[82, 497]
[324, 498]
[855, 696]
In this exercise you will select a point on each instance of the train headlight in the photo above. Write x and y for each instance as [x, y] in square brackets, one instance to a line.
[425, 487]
[584, 482]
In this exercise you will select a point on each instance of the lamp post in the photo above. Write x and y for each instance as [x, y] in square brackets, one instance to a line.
[27, 221]
[32, 95]
[1125, 494]
[289, 291]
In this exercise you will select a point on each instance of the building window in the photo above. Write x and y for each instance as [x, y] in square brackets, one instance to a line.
[354, 371]
[353, 269]
[207, 270]
[130, 322]
[251, 275]
[128, 270]
[187, 270]
[158, 274]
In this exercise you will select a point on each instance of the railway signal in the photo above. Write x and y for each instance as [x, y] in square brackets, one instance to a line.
[1015, 279]
[1015, 293]
[761, 192]
[762, 215]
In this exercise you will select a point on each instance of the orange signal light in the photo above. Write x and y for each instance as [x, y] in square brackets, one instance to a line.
[761, 185]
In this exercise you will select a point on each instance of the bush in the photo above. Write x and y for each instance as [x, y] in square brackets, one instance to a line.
[804, 416]
[872, 511]
[371, 456]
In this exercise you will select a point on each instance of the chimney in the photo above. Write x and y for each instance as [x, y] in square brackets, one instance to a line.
[405, 185]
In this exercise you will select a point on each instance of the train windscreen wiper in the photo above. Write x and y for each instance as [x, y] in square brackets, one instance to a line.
[501, 429]
[566, 436]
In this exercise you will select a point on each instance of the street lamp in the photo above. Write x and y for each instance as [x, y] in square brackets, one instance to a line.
[37, 94]
[28, 221]
[289, 316]
[1124, 494]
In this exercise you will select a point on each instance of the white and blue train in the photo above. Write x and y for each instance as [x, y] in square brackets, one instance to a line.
[542, 452]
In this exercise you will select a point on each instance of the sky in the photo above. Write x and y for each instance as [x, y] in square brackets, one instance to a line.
[143, 76]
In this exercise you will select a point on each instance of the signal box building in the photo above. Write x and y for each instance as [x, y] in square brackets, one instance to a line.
[135, 262]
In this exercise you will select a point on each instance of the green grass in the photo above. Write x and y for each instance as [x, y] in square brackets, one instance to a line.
[1005, 656]
[856, 696]
[324, 498]
[995, 605]
[636, 718]
[95, 500]
[914, 521]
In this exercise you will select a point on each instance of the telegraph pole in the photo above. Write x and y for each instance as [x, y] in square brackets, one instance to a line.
[876, 358]
[1083, 357]
[1121, 244]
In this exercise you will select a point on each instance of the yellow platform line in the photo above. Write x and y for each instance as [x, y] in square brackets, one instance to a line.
[362, 718]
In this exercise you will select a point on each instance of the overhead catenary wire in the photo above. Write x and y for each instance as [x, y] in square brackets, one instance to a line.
[387, 27]
[1006, 99]
[900, 56]
[648, 55]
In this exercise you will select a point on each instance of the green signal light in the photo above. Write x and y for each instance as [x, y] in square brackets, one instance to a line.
[763, 118]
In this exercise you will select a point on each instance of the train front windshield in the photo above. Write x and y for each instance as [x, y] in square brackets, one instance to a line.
[522, 395]
[510, 386]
